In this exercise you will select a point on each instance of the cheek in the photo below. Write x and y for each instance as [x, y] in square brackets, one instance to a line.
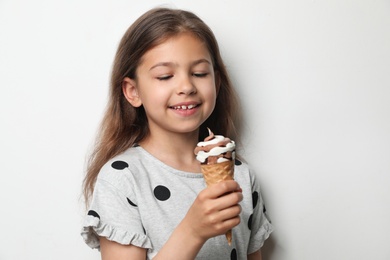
[151, 93]
[211, 94]
[155, 99]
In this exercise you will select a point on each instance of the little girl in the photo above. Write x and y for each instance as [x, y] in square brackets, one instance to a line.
[146, 195]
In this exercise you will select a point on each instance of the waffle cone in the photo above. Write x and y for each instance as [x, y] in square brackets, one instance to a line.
[214, 173]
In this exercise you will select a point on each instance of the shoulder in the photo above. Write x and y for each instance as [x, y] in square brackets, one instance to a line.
[245, 175]
[240, 165]
[242, 169]
[121, 168]
[124, 160]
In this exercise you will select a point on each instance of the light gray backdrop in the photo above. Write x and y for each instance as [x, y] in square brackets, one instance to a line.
[313, 78]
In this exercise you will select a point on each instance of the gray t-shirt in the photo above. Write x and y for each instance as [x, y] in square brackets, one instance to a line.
[140, 200]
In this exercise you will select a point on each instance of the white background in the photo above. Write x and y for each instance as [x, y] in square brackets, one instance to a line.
[314, 81]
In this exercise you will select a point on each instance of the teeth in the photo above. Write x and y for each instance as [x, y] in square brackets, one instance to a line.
[184, 107]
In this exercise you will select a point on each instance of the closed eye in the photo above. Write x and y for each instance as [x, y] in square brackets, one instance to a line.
[200, 75]
[165, 77]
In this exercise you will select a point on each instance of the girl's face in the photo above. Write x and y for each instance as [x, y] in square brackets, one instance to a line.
[176, 85]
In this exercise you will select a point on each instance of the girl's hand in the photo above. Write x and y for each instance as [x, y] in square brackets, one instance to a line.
[215, 210]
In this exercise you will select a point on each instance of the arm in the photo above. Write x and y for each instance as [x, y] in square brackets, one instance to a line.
[214, 212]
[255, 256]
[111, 250]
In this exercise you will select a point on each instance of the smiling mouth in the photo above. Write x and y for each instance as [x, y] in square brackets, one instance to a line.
[189, 107]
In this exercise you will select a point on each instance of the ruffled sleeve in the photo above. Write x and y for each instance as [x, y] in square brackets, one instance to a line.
[113, 214]
[260, 223]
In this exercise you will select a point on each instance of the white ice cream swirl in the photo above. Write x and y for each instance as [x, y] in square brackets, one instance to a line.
[215, 149]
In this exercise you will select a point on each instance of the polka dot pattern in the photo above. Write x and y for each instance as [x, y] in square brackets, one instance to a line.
[237, 162]
[94, 214]
[119, 165]
[233, 254]
[250, 222]
[162, 193]
[131, 203]
[255, 198]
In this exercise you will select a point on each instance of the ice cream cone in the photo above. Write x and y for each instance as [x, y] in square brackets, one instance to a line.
[216, 156]
[214, 173]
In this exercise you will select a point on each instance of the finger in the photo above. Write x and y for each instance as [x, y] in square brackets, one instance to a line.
[228, 200]
[229, 213]
[223, 187]
[230, 218]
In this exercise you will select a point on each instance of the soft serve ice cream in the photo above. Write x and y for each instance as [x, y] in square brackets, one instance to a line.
[216, 155]
[215, 149]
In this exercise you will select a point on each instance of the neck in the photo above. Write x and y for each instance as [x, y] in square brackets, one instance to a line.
[174, 149]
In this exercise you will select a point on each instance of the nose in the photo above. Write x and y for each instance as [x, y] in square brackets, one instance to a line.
[186, 86]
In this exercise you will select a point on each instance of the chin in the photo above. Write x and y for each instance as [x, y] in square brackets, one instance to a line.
[187, 130]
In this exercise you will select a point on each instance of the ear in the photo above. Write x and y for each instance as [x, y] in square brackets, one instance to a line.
[129, 88]
[217, 80]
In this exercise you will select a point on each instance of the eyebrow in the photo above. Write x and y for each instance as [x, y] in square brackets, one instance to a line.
[172, 64]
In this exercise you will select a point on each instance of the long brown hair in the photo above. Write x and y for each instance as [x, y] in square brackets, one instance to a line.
[124, 125]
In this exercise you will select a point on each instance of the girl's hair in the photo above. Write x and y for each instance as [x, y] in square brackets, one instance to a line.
[124, 125]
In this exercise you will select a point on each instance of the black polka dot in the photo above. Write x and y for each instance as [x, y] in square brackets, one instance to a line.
[131, 203]
[94, 214]
[255, 198]
[162, 193]
[237, 162]
[264, 209]
[233, 254]
[250, 222]
[119, 165]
